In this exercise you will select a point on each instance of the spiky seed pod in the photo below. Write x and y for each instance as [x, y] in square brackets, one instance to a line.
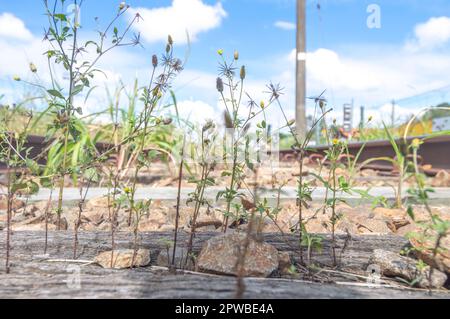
[227, 119]
[243, 72]
[170, 40]
[168, 47]
[154, 60]
[209, 125]
[33, 68]
[219, 85]
[236, 55]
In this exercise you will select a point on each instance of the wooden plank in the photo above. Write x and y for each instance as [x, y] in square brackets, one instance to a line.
[34, 276]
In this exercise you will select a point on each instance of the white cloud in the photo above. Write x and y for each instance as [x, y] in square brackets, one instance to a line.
[285, 25]
[192, 16]
[13, 28]
[432, 34]
[197, 111]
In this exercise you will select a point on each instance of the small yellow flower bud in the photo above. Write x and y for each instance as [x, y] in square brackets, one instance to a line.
[416, 143]
[16, 78]
[122, 6]
[262, 104]
[335, 141]
[236, 55]
[220, 52]
[33, 68]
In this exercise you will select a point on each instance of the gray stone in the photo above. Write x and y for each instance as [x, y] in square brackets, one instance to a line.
[220, 255]
[182, 260]
[123, 258]
[393, 265]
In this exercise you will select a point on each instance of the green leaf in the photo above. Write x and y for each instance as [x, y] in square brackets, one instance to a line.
[55, 93]
[410, 212]
[60, 16]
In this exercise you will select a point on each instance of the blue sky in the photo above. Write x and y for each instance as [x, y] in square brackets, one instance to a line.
[408, 55]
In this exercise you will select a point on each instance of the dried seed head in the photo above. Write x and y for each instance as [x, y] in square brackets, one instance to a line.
[219, 85]
[167, 121]
[236, 55]
[243, 72]
[170, 40]
[322, 104]
[33, 68]
[209, 125]
[16, 78]
[154, 60]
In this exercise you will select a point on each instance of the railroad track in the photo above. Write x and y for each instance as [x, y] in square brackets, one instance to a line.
[434, 154]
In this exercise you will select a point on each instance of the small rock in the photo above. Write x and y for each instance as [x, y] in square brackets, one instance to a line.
[208, 221]
[316, 226]
[123, 259]
[442, 179]
[150, 225]
[101, 202]
[390, 212]
[394, 265]
[284, 262]
[220, 255]
[182, 260]
[424, 252]
[408, 229]
[400, 223]
[16, 204]
[96, 216]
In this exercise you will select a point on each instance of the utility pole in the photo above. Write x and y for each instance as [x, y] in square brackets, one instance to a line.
[362, 115]
[300, 100]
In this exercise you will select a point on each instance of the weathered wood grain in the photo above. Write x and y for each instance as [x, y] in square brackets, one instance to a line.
[34, 276]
